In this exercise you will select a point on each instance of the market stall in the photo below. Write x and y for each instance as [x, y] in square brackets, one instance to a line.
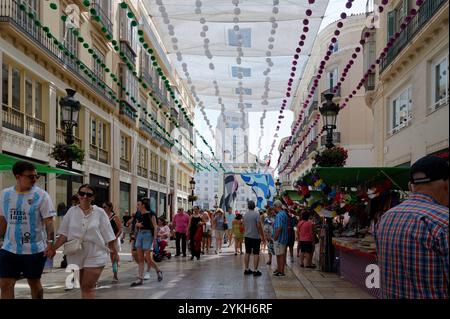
[350, 200]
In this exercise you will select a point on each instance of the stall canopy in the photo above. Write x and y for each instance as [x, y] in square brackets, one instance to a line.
[7, 162]
[354, 176]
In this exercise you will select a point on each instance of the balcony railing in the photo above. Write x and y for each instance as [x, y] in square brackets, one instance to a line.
[154, 176]
[142, 171]
[124, 164]
[370, 83]
[404, 123]
[129, 53]
[10, 13]
[172, 183]
[424, 14]
[60, 138]
[336, 94]
[98, 154]
[25, 124]
[336, 138]
[126, 111]
[106, 21]
[163, 179]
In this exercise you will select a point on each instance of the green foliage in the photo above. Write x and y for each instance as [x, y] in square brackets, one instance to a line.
[333, 157]
[64, 153]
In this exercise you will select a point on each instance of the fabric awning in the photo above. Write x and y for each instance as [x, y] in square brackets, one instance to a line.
[7, 162]
[354, 176]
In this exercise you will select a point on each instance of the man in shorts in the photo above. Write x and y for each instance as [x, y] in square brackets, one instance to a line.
[280, 237]
[25, 209]
[253, 236]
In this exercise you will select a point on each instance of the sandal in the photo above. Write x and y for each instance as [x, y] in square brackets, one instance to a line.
[160, 275]
[138, 282]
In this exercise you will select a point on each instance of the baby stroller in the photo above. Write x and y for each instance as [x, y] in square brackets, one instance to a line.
[160, 251]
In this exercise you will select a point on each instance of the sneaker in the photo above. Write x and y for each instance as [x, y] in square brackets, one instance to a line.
[147, 276]
[184, 255]
[279, 274]
[177, 255]
[248, 272]
[275, 272]
[136, 283]
[235, 254]
[160, 275]
[257, 273]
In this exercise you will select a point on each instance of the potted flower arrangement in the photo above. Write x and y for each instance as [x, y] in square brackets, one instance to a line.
[63, 153]
[333, 157]
[192, 198]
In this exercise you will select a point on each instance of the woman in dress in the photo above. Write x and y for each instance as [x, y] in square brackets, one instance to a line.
[238, 232]
[195, 222]
[89, 224]
[219, 229]
[206, 240]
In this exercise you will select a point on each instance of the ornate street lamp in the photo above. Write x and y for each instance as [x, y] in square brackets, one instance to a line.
[329, 111]
[278, 186]
[69, 118]
[192, 183]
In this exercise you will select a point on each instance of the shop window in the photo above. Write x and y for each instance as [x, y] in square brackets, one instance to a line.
[245, 34]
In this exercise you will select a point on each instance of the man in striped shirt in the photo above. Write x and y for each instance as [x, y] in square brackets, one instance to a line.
[24, 211]
[412, 238]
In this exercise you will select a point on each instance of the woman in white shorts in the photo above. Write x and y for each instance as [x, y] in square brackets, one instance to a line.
[219, 229]
[90, 224]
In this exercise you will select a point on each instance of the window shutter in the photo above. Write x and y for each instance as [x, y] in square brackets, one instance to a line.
[391, 23]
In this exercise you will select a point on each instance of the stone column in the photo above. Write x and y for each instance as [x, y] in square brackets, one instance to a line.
[114, 186]
[51, 139]
[134, 163]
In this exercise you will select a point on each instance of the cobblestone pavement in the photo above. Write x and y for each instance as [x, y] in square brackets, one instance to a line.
[213, 276]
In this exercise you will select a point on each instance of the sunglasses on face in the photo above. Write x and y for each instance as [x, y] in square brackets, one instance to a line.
[32, 177]
[88, 195]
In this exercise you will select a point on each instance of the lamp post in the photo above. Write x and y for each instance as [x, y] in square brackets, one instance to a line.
[216, 197]
[329, 111]
[278, 187]
[70, 108]
[192, 183]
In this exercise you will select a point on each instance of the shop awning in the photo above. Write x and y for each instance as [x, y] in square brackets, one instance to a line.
[7, 162]
[354, 176]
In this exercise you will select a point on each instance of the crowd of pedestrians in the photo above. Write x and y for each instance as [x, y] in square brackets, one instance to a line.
[92, 236]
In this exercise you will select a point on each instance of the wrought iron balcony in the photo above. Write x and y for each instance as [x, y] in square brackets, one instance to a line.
[154, 176]
[127, 112]
[20, 22]
[98, 154]
[370, 83]
[22, 123]
[124, 164]
[142, 171]
[314, 107]
[104, 16]
[128, 51]
[428, 9]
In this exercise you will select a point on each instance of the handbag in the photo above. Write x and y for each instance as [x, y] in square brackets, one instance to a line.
[75, 245]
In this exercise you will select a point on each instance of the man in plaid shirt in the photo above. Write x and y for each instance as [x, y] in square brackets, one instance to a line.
[412, 238]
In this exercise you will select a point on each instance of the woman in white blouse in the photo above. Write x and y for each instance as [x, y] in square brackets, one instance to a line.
[91, 224]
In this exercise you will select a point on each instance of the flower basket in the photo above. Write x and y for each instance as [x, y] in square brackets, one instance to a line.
[192, 198]
[64, 153]
[333, 157]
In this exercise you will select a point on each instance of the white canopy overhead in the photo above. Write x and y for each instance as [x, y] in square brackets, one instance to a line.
[236, 53]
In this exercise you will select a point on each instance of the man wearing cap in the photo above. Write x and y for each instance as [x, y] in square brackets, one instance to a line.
[280, 237]
[412, 238]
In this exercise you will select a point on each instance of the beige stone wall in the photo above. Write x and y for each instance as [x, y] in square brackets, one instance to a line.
[427, 132]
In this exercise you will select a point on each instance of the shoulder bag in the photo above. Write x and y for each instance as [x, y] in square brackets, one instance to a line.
[74, 246]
